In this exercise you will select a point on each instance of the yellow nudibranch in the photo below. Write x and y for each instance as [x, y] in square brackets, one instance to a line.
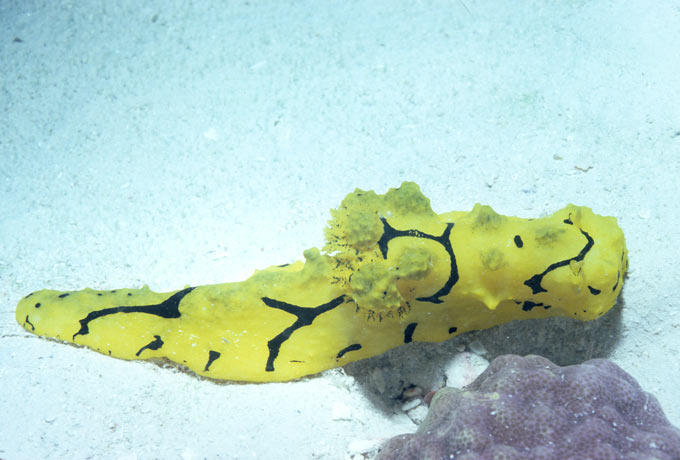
[392, 271]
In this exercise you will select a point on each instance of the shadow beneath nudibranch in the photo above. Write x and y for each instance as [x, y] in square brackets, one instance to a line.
[564, 341]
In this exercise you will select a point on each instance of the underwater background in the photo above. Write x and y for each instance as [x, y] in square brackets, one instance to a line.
[171, 143]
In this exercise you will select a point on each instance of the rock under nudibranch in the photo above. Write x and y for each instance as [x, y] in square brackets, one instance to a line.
[531, 409]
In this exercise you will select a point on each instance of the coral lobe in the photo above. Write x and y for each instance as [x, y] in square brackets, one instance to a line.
[529, 408]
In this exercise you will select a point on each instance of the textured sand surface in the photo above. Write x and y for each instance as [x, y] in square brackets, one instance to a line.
[179, 143]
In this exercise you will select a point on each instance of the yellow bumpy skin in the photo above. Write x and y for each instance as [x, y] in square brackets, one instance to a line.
[392, 271]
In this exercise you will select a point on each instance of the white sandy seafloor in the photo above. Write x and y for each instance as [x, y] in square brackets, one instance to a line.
[176, 143]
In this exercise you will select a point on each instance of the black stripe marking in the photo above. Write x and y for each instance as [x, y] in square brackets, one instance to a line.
[528, 305]
[618, 278]
[353, 347]
[155, 344]
[535, 281]
[169, 308]
[305, 317]
[390, 233]
[212, 356]
[518, 241]
[408, 332]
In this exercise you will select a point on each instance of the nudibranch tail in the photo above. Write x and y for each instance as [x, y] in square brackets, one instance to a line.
[392, 271]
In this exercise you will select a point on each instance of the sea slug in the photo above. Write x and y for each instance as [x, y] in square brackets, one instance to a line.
[392, 271]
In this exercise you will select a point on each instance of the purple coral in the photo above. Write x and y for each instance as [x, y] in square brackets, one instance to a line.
[531, 409]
